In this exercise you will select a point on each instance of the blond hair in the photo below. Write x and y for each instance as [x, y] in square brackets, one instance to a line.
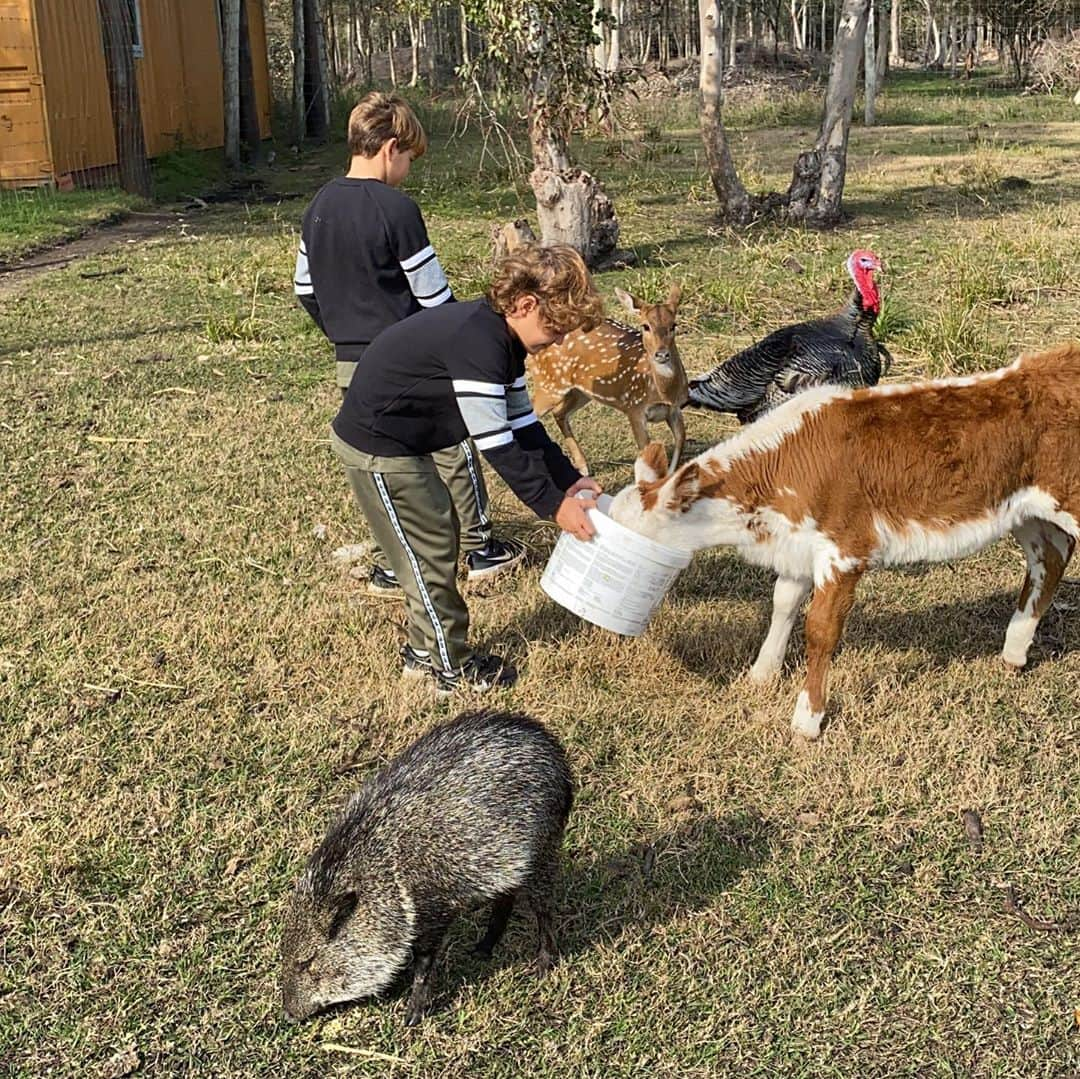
[380, 117]
[557, 277]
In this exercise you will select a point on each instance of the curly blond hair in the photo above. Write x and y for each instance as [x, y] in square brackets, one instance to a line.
[380, 117]
[557, 277]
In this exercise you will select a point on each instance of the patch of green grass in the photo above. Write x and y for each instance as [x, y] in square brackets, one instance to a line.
[182, 173]
[33, 218]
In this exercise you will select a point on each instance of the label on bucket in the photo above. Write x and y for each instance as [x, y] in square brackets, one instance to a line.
[616, 580]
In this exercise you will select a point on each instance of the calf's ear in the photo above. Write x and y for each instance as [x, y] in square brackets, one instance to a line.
[652, 464]
[685, 487]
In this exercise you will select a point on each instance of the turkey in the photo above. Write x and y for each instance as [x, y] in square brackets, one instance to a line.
[840, 349]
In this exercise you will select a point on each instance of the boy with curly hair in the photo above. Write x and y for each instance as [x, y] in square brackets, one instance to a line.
[430, 381]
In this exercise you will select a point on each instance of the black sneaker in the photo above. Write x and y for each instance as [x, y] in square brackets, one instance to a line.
[496, 556]
[382, 582]
[479, 673]
[415, 663]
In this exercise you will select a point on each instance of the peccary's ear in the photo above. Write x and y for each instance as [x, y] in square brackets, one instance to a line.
[652, 464]
[343, 907]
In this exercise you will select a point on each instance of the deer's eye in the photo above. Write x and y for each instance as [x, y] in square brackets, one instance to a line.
[645, 327]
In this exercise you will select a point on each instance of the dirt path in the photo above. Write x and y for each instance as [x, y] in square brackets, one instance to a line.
[134, 228]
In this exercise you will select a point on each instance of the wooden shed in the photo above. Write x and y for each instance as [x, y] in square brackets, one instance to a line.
[55, 113]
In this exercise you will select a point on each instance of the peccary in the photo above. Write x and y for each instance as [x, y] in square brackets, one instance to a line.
[473, 811]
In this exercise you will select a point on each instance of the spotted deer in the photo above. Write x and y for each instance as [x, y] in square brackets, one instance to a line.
[637, 371]
[838, 481]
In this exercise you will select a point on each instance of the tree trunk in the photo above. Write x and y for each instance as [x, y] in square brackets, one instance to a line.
[250, 135]
[414, 49]
[613, 40]
[390, 57]
[571, 206]
[817, 186]
[896, 50]
[600, 48]
[882, 50]
[298, 102]
[316, 80]
[117, 36]
[230, 70]
[464, 24]
[870, 67]
[734, 201]
[732, 35]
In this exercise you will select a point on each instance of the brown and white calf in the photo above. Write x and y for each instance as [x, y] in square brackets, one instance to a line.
[836, 482]
[637, 371]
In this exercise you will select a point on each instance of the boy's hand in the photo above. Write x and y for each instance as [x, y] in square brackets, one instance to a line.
[570, 517]
[586, 483]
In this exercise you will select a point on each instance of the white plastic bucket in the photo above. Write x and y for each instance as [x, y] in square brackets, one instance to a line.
[615, 580]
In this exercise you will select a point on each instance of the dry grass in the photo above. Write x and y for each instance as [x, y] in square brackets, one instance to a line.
[187, 686]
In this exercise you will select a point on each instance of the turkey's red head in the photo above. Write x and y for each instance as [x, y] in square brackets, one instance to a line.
[862, 265]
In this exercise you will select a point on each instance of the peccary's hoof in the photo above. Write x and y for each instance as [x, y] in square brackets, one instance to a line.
[413, 1017]
[543, 963]
[482, 950]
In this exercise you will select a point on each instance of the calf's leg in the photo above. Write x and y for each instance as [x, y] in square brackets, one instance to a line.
[788, 595]
[824, 624]
[1048, 550]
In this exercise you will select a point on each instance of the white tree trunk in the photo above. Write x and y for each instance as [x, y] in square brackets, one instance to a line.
[896, 52]
[870, 68]
[463, 22]
[599, 29]
[817, 187]
[613, 39]
[414, 49]
[732, 196]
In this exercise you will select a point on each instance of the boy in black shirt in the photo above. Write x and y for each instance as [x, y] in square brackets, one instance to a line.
[435, 378]
[364, 263]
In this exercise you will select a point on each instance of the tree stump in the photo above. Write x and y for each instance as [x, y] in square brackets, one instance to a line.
[573, 208]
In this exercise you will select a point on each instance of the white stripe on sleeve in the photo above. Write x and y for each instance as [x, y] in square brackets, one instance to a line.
[502, 438]
[523, 421]
[302, 277]
[468, 385]
[414, 260]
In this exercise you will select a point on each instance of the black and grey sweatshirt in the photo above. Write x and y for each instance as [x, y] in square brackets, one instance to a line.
[365, 262]
[445, 374]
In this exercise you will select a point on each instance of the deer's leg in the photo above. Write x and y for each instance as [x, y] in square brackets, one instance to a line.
[824, 624]
[788, 595]
[1048, 550]
[678, 434]
[636, 416]
[571, 402]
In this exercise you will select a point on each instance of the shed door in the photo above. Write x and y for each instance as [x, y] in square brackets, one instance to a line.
[24, 143]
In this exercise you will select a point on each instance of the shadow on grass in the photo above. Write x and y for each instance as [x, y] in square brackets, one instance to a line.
[604, 897]
[104, 338]
[720, 650]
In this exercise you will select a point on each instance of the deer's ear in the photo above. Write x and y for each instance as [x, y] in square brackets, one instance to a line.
[674, 296]
[685, 488]
[627, 301]
[652, 464]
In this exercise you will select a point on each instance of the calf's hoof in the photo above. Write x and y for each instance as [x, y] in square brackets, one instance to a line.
[805, 722]
[762, 674]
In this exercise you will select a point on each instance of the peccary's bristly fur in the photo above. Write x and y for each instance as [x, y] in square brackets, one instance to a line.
[472, 812]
